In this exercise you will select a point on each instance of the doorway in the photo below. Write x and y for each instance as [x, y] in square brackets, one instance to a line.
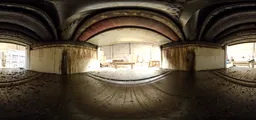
[241, 55]
[12, 55]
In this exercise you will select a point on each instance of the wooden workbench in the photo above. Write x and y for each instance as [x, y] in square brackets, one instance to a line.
[123, 63]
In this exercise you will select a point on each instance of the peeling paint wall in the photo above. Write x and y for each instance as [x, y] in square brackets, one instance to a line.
[176, 58]
[81, 60]
[53, 60]
[46, 60]
[193, 58]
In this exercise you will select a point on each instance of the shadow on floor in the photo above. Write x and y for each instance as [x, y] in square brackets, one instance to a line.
[178, 95]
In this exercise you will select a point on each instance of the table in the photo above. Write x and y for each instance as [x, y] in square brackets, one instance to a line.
[123, 63]
[245, 63]
[154, 64]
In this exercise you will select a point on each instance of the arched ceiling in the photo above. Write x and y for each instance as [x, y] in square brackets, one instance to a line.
[28, 22]
[178, 21]
[125, 18]
[128, 35]
[90, 12]
[120, 22]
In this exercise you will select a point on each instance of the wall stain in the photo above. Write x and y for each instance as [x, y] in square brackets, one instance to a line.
[179, 58]
[79, 56]
[64, 62]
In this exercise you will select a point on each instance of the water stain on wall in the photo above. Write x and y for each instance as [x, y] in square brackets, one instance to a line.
[181, 58]
[67, 60]
[81, 59]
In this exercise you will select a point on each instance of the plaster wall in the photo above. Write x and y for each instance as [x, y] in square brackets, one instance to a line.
[82, 60]
[193, 58]
[209, 58]
[46, 60]
[63, 59]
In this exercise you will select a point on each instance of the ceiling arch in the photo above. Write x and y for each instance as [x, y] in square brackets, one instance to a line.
[15, 37]
[178, 20]
[33, 22]
[125, 18]
[80, 10]
[246, 36]
[128, 35]
[195, 13]
[226, 17]
[118, 22]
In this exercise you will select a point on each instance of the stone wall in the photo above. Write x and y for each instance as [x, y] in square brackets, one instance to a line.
[63, 59]
[193, 58]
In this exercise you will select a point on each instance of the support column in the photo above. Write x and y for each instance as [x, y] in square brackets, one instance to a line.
[225, 55]
[27, 57]
[253, 51]
[111, 51]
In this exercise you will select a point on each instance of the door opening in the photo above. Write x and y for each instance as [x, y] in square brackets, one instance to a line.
[12, 55]
[241, 55]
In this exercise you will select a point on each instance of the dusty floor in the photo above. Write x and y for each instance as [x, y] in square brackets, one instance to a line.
[8, 75]
[179, 95]
[128, 74]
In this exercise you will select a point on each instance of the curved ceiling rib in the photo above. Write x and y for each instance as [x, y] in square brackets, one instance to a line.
[171, 9]
[128, 35]
[43, 16]
[235, 29]
[228, 20]
[80, 10]
[210, 21]
[15, 37]
[245, 36]
[117, 22]
[27, 20]
[20, 29]
[128, 18]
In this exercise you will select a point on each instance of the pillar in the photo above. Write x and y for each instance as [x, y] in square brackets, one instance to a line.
[225, 55]
[27, 57]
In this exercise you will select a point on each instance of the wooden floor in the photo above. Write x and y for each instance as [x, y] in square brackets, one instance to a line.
[176, 96]
[16, 74]
[242, 73]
